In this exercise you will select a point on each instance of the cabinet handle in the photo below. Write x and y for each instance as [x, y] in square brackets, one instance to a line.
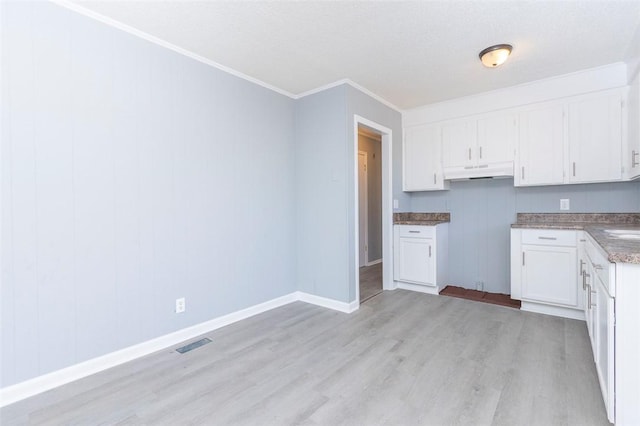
[547, 238]
[634, 162]
[414, 232]
[589, 296]
[480, 152]
[469, 153]
[574, 169]
[522, 258]
[584, 280]
[582, 263]
[429, 251]
[522, 175]
[590, 303]
[434, 178]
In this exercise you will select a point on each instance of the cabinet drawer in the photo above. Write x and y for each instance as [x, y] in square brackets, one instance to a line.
[416, 231]
[549, 237]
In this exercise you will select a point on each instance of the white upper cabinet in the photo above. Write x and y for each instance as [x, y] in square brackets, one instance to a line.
[479, 146]
[595, 137]
[540, 158]
[497, 137]
[459, 143]
[631, 155]
[579, 139]
[422, 159]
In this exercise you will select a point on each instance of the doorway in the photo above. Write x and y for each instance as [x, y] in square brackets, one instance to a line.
[370, 265]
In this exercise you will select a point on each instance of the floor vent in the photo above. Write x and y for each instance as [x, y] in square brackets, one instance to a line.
[194, 345]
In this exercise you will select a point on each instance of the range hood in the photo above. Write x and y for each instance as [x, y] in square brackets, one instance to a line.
[494, 170]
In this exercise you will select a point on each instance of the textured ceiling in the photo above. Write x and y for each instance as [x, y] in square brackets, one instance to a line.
[409, 53]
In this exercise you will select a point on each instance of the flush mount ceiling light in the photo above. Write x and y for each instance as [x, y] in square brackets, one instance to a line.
[494, 56]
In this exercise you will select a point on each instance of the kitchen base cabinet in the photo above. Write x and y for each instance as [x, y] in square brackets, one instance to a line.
[626, 353]
[420, 257]
[544, 272]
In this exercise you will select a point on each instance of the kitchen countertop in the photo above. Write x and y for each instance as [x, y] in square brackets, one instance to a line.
[422, 219]
[619, 250]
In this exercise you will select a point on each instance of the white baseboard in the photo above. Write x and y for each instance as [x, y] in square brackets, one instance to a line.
[419, 288]
[31, 387]
[556, 311]
[328, 303]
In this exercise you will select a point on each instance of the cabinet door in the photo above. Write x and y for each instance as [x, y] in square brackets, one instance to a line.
[590, 298]
[540, 149]
[422, 159]
[632, 152]
[595, 138]
[415, 261]
[549, 274]
[603, 328]
[497, 137]
[459, 143]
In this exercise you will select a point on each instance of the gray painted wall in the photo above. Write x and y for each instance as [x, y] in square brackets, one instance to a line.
[365, 106]
[131, 176]
[325, 190]
[374, 194]
[320, 179]
[483, 210]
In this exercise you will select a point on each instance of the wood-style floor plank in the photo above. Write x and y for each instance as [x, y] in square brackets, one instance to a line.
[403, 359]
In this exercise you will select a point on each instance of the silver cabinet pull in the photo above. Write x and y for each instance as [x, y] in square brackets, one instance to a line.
[584, 280]
[582, 263]
[547, 238]
[589, 296]
[414, 232]
[634, 155]
[480, 152]
[434, 178]
[522, 175]
[469, 153]
[574, 169]
[522, 258]
[429, 251]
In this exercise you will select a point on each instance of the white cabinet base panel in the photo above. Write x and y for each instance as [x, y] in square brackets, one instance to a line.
[419, 288]
[556, 311]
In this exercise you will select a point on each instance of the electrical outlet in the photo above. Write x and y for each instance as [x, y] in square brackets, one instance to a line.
[564, 204]
[181, 305]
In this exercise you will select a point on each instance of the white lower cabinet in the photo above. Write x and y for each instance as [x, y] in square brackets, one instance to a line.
[544, 271]
[420, 254]
[607, 297]
[549, 274]
[599, 288]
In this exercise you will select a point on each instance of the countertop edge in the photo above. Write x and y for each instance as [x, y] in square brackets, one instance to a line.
[595, 231]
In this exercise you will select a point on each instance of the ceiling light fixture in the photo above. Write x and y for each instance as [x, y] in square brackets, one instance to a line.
[494, 56]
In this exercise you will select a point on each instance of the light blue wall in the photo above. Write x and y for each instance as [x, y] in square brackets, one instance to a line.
[131, 176]
[325, 186]
[483, 210]
[320, 179]
[359, 103]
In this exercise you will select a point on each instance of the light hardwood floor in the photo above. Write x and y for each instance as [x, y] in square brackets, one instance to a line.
[403, 359]
[370, 281]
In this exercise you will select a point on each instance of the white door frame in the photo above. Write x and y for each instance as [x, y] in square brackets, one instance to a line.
[387, 204]
[364, 218]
